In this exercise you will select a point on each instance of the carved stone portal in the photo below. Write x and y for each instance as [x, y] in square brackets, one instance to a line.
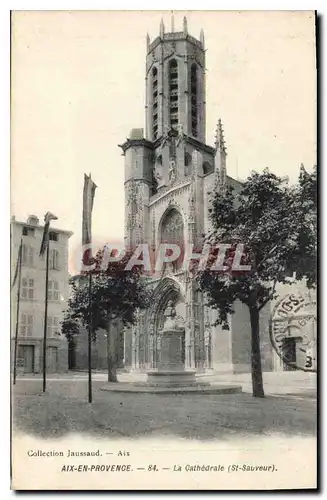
[171, 371]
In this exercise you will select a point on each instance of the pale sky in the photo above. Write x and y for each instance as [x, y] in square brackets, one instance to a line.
[78, 90]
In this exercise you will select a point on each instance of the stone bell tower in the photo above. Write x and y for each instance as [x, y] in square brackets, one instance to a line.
[169, 173]
[175, 84]
[174, 126]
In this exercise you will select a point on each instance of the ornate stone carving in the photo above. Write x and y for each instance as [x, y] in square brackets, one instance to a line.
[180, 137]
[191, 198]
[196, 162]
[178, 189]
[158, 174]
[165, 138]
[173, 223]
[172, 172]
[132, 194]
[130, 223]
[158, 171]
[172, 322]
[153, 230]
[134, 202]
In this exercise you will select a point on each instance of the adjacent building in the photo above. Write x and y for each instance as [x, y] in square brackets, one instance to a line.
[32, 296]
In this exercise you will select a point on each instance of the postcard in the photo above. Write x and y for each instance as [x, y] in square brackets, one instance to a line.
[164, 250]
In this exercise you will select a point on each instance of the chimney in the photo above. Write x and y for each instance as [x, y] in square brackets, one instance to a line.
[32, 220]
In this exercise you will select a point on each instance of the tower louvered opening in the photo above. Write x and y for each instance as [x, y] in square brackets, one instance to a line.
[154, 103]
[173, 93]
[194, 100]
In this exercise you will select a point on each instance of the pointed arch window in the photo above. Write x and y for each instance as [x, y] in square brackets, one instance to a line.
[207, 168]
[173, 93]
[172, 232]
[154, 103]
[194, 100]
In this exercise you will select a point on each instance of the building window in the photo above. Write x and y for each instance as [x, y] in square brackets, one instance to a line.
[27, 255]
[194, 100]
[207, 168]
[154, 103]
[173, 93]
[54, 259]
[26, 325]
[28, 231]
[27, 288]
[53, 290]
[53, 327]
[53, 236]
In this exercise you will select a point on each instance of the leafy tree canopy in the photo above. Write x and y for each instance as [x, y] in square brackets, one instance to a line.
[115, 293]
[276, 223]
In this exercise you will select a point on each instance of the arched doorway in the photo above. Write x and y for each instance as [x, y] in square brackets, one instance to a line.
[169, 290]
[293, 332]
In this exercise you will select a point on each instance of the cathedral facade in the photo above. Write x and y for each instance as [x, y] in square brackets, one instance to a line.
[170, 174]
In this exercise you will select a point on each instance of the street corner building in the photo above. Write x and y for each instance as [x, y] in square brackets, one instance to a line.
[170, 173]
[32, 296]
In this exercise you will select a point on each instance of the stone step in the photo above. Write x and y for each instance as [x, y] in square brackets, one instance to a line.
[145, 388]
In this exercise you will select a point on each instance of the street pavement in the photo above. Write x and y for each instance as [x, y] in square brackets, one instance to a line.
[292, 384]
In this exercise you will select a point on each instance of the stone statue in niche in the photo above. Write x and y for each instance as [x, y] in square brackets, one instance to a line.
[173, 321]
[159, 177]
[158, 173]
[165, 137]
[172, 171]
[180, 137]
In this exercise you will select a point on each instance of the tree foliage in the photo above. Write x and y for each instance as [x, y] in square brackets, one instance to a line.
[115, 293]
[277, 226]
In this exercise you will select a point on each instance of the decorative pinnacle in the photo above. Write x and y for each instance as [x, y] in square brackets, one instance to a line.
[219, 138]
[185, 25]
[147, 41]
[172, 22]
[202, 37]
[162, 28]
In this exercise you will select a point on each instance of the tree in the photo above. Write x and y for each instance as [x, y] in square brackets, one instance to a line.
[276, 225]
[70, 325]
[304, 256]
[116, 294]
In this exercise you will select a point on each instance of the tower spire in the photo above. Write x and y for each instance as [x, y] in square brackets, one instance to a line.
[172, 22]
[220, 157]
[162, 28]
[185, 25]
[219, 138]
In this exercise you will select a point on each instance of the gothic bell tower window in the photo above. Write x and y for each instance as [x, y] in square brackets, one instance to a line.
[173, 93]
[155, 103]
[194, 100]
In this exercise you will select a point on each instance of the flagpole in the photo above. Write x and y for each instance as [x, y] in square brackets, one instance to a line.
[45, 318]
[88, 198]
[90, 338]
[18, 304]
